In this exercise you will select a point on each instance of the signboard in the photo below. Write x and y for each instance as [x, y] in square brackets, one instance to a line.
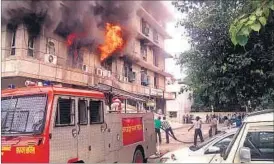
[132, 130]
[169, 95]
[156, 92]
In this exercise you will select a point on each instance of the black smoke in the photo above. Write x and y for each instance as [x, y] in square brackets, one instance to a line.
[65, 17]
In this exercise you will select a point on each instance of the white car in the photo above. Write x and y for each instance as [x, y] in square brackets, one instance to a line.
[204, 152]
[253, 142]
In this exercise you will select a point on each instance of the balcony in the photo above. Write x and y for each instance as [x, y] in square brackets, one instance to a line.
[153, 9]
[151, 42]
[140, 60]
[25, 67]
[153, 68]
[149, 18]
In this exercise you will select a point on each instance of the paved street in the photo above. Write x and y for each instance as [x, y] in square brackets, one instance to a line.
[183, 135]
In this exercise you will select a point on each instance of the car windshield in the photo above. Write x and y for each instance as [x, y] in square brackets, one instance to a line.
[23, 114]
[195, 148]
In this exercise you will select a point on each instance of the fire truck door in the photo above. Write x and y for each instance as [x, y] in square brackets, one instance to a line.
[63, 130]
[83, 130]
[96, 131]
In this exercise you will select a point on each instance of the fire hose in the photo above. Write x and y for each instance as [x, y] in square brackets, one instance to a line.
[159, 154]
[173, 136]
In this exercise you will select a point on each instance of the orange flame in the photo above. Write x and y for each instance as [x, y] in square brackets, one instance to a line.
[113, 41]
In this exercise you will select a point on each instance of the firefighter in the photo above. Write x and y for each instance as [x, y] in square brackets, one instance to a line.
[158, 124]
[167, 128]
[197, 124]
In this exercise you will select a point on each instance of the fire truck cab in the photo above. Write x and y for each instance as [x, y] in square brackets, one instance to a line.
[49, 124]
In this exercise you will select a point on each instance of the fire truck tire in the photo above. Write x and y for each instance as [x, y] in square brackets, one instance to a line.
[81, 161]
[138, 156]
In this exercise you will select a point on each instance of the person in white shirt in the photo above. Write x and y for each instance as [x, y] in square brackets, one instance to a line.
[197, 124]
[226, 122]
[213, 125]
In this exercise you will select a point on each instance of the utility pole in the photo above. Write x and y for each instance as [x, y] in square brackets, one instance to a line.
[248, 106]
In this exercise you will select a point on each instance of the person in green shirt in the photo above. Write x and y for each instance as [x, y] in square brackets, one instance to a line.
[158, 124]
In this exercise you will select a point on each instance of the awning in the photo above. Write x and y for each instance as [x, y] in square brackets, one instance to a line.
[118, 92]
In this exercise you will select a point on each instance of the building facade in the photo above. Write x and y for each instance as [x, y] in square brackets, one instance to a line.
[139, 70]
[182, 102]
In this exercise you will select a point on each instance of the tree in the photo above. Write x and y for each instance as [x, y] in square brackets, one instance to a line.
[218, 72]
[253, 18]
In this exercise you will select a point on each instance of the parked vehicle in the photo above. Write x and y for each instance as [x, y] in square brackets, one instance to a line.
[203, 153]
[63, 125]
[253, 143]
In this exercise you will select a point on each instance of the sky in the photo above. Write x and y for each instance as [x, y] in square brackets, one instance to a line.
[177, 44]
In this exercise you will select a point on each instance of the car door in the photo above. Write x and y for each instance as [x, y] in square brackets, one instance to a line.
[259, 138]
[63, 130]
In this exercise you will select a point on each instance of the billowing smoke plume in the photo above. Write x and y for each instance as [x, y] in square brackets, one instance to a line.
[65, 17]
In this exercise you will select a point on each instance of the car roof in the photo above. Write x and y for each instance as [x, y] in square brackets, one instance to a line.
[260, 116]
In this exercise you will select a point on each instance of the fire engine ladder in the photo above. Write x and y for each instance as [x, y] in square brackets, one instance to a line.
[111, 92]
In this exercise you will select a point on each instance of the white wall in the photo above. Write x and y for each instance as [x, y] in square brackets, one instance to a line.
[182, 103]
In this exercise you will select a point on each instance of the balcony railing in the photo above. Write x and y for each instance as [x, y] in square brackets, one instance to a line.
[61, 71]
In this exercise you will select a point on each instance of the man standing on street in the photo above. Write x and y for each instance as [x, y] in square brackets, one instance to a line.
[158, 124]
[166, 126]
[226, 122]
[197, 124]
[213, 125]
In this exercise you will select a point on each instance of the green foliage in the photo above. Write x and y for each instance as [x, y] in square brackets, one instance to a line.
[218, 72]
[242, 26]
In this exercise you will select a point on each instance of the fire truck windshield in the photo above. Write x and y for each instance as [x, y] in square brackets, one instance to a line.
[23, 114]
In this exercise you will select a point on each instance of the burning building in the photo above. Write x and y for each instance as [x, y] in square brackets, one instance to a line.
[103, 45]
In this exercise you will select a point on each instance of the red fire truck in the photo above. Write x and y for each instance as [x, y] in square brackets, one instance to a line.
[46, 124]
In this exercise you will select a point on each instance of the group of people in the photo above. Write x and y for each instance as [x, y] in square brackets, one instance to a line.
[213, 120]
[221, 119]
[187, 119]
[159, 124]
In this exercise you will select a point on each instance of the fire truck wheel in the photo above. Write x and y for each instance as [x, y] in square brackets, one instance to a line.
[138, 156]
[79, 161]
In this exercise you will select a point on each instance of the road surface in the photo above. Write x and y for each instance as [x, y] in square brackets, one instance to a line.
[183, 135]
